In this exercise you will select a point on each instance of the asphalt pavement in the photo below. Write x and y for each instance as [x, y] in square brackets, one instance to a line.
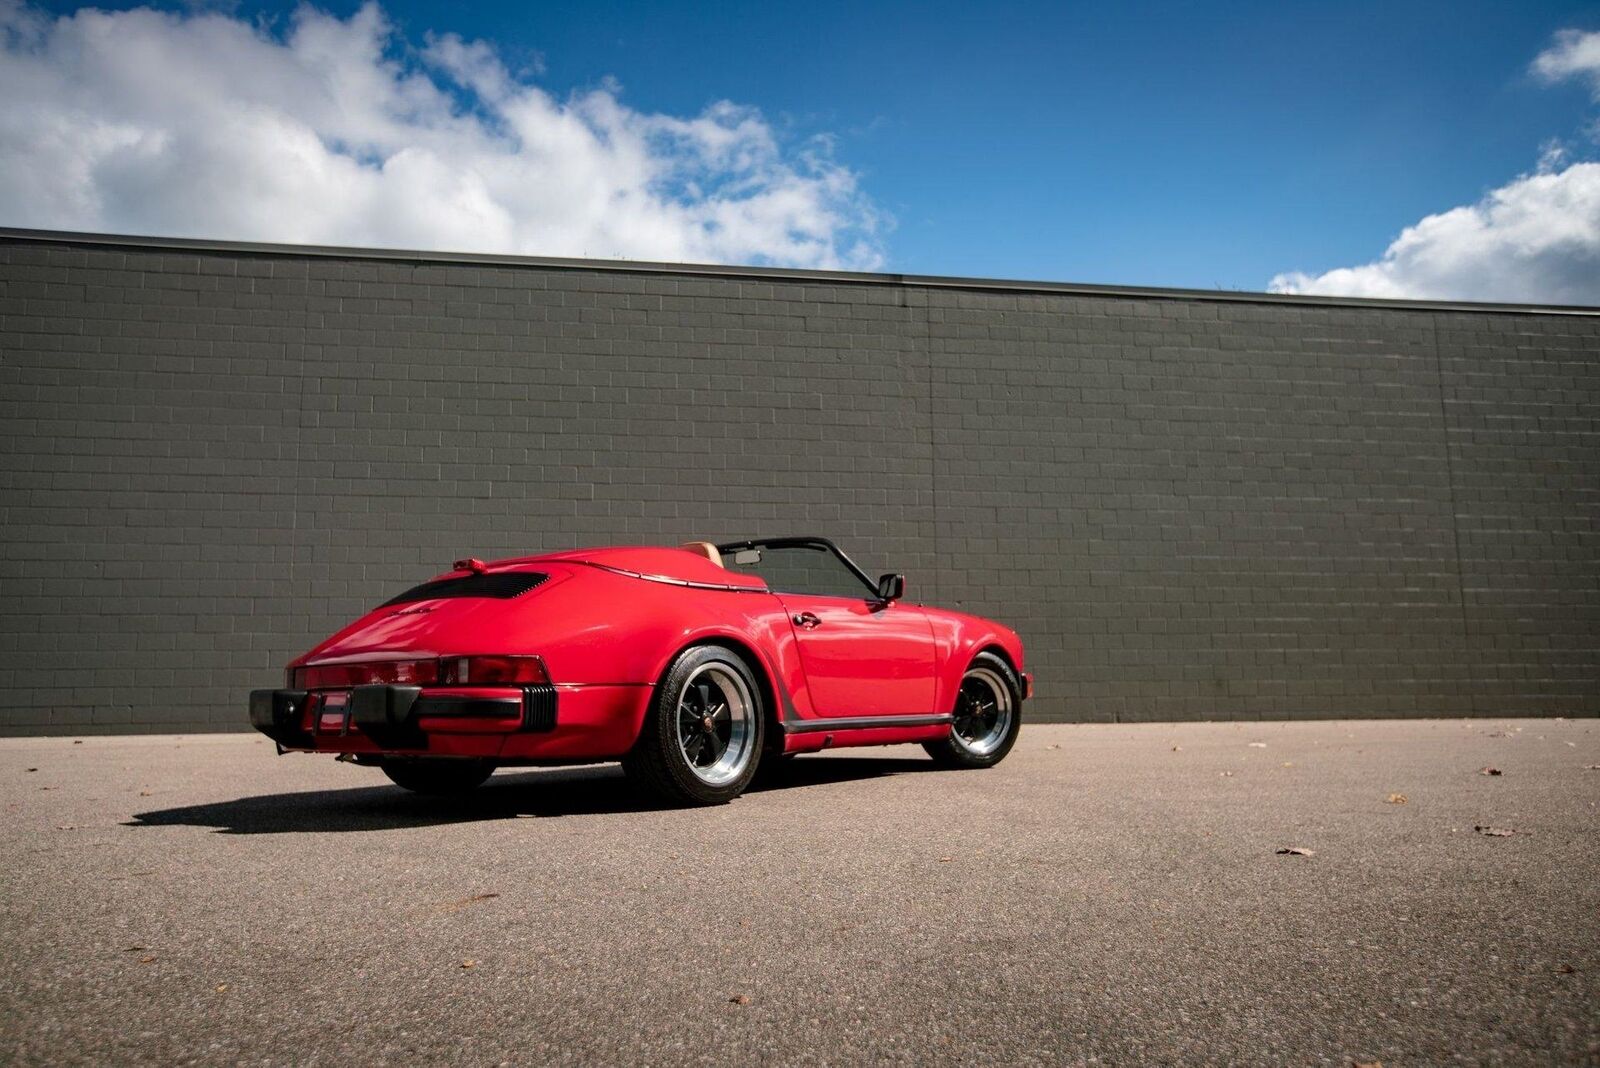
[1110, 894]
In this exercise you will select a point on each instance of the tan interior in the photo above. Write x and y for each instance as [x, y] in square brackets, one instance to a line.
[705, 549]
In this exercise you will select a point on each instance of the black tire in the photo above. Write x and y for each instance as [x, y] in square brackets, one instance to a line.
[977, 739]
[700, 745]
[438, 776]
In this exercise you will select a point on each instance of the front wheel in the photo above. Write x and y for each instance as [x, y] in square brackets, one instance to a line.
[988, 715]
[437, 776]
[702, 739]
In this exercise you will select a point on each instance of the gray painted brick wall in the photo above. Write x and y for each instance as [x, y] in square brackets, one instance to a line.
[1189, 507]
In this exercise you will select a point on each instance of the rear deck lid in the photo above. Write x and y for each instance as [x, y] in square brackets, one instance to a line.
[451, 613]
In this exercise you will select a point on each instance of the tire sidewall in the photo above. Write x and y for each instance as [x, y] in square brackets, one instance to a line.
[960, 753]
[664, 724]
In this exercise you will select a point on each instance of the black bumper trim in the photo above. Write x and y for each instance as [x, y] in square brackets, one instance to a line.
[277, 713]
[388, 714]
[497, 707]
[539, 708]
[384, 714]
[382, 706]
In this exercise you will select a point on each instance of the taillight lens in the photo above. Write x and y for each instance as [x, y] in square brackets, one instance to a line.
[327, 676]
[492, 670]
[449, 671]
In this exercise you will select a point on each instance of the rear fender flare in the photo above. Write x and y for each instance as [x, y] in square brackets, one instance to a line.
[779, 705]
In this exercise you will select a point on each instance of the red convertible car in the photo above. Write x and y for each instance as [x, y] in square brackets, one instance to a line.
[692, 666]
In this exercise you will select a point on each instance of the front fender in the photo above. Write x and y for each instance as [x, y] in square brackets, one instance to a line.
[958, 638]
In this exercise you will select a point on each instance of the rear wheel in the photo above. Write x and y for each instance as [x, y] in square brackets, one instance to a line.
[988, 715]
[437, 776]
[702, 739]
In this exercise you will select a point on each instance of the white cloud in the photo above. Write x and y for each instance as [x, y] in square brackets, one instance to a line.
[1575, 54]
[1535, 239]
[337, 132]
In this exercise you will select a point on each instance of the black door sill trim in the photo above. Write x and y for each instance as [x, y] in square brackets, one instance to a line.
[858, 723]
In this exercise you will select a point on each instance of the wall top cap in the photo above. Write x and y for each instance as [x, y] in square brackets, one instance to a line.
[772, 274]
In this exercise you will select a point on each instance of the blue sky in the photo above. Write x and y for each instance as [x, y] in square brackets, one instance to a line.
[1165, 144]
[1185, 144]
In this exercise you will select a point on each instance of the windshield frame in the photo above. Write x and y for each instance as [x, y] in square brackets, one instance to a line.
[805, 543]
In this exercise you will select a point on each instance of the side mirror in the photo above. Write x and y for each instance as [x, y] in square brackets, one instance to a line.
[891, 587]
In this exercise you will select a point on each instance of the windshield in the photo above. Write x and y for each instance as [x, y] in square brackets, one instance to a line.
[804, 566]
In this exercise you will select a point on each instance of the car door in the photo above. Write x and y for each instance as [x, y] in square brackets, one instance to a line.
[861, 656]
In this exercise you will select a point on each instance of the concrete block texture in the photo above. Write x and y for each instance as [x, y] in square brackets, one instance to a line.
[1190, 507]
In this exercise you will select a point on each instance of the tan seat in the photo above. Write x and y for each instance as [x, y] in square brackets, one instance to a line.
[705, 549]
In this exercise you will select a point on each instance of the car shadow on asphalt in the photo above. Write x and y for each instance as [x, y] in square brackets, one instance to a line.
[596, 790]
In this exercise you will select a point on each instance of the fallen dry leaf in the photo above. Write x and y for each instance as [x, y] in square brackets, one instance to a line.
[739, 999]
[469, 964]
[1296, 851]
[1397, 799]
[1258, 745]
[1495, 832]
[1565, 969]
[1489, 771]
[1053, 745]
[946, 860]
[147, 960]
[455, 906]
[222, 988]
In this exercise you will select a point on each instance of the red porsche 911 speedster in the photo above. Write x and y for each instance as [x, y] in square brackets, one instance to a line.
[692, 666]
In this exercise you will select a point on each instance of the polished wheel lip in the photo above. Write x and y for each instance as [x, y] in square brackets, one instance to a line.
[714, 723]
[982, 720]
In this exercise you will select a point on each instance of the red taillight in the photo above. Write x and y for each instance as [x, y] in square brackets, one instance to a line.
[449, 671]
[329, 676]
[492, 670]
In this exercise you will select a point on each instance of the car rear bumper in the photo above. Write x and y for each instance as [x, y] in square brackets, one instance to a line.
[499, 722]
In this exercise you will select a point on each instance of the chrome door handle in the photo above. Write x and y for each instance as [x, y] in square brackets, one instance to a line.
[807, 620]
